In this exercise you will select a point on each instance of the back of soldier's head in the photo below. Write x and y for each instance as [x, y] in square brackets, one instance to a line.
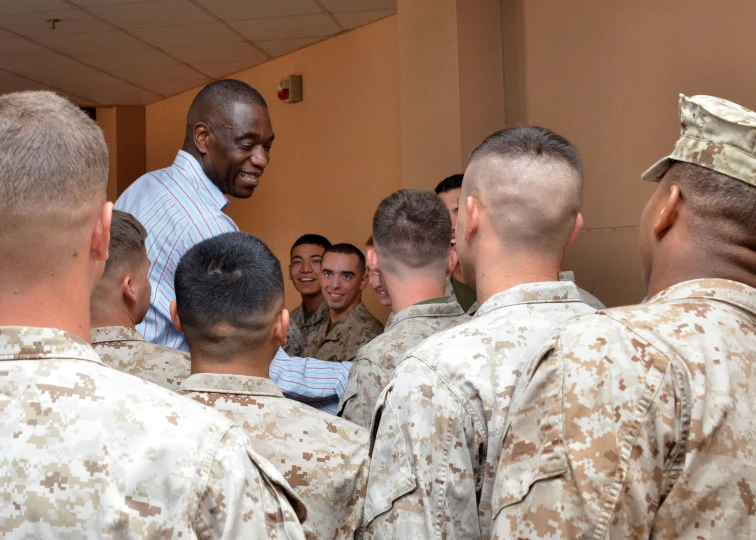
[411, 230]
[229, 290]
[529, 181]
[53, 177]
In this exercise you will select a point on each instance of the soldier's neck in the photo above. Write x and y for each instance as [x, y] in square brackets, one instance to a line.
[250, 365]
[101, 317]
[311, 303]
[492, 278]
[338, 316]
[457, 274]
[406, 291]
[670, 271]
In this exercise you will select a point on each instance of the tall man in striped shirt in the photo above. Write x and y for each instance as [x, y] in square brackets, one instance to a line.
[225, 151]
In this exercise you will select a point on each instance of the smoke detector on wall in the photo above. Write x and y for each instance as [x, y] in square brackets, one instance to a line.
[290, 89]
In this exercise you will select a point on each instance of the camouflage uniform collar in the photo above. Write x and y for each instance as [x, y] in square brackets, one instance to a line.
[531, 293]
[230, 384]
[356, 314]
[29, 343]
[449, 309]
[107, 334]
[722, 290]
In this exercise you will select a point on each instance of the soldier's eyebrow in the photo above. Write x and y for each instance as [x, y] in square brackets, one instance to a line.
[347, 273]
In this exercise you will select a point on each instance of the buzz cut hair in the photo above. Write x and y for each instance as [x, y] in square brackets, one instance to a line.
[127, 242]
[412, 227]
[220, 96]
[228, 290]
[348, 249]
[311, 239]
[450, 183]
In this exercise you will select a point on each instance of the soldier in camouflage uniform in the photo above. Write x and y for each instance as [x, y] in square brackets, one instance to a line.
[349, 325]
[120, 302]
[411, 231]
[440, 420]
[304, 272]
[229, 302]
[639, 421]
[88, 451]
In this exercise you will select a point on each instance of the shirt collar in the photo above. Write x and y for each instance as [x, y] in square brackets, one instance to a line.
[106, 334]
[230, 384]
[450, 309]
[29, 343]
[723, 290]
[202, 184]
[532, 293]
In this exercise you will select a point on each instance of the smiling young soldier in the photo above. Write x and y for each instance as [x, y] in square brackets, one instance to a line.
[230, 303]
[349, 324]
[304, 272]
[638, 421]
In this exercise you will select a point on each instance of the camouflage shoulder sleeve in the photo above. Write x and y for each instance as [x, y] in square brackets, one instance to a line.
[593, 439]
[425, 462]
[366, 382]
[295, 342]
[245, 497]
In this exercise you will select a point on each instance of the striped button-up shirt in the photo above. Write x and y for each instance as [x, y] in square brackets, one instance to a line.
[180, 206]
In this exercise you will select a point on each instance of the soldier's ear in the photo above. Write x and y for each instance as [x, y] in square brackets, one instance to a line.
[201, 137]
[668, 214]
[472, 217]
[127, 288]
[576, 228]
[452, 262]
[281, 327]
[175, 317]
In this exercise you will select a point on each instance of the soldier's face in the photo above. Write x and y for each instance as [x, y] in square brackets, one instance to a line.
[342, 281]
[451, 200]
[304, 270]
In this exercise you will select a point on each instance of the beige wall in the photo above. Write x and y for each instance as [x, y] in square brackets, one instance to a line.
[336, 154]
[124, 131]
[607, 75]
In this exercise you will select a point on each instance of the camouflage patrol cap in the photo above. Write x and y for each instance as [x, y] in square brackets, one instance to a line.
[716, 134]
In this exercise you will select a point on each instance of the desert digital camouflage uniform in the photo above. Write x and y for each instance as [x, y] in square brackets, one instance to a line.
[441, 418]
[587, 297]
[294, 340]
[90, 452]
[638, 421]
[317, 317]
[345, 339]
[125, 349]
[376, 361]
[324, 458]
[641, 421]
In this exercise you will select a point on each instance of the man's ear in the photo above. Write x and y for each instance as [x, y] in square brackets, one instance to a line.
[175, 317]
[364, 279]
[372, 259]
[668, 214]
[451, 264]
[472, 218]
[101, 233]
[576, 228]
[281, 327]
[127, 288]
[201, 137]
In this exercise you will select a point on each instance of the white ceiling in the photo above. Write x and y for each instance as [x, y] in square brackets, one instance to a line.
[136, 52]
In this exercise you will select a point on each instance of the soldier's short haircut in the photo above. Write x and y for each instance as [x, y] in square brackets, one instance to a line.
[530, 184]
[53, 158]
[348, 249]
[722, 208]
[450, 183]
[311, 239]
[219, 97]
[228, 289]
[127, 236]
[413, 227]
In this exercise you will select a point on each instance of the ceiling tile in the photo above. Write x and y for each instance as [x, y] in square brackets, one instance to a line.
[120, 95]
[216, 70]
[76, 82]
[72, 21]
[174, 87]
[335, 6]
[76, 100]
[102, 2]
[22, 48]
[279, 47]
[301, 26]
[145, 58]
[50, 65]
[204, 54]
[23, 6]
[6, 35]
[162, 74]
[153, 13]
[186, 35]
[102, 42]
[230, 10]
[10, 82]
[354, 19]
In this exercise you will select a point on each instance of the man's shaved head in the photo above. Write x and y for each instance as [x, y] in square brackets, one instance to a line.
[529, 181]
[216, 100]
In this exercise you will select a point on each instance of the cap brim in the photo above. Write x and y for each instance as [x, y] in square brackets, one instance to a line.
[655, 173]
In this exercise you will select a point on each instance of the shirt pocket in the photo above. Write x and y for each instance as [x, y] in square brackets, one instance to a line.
[391, 475]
